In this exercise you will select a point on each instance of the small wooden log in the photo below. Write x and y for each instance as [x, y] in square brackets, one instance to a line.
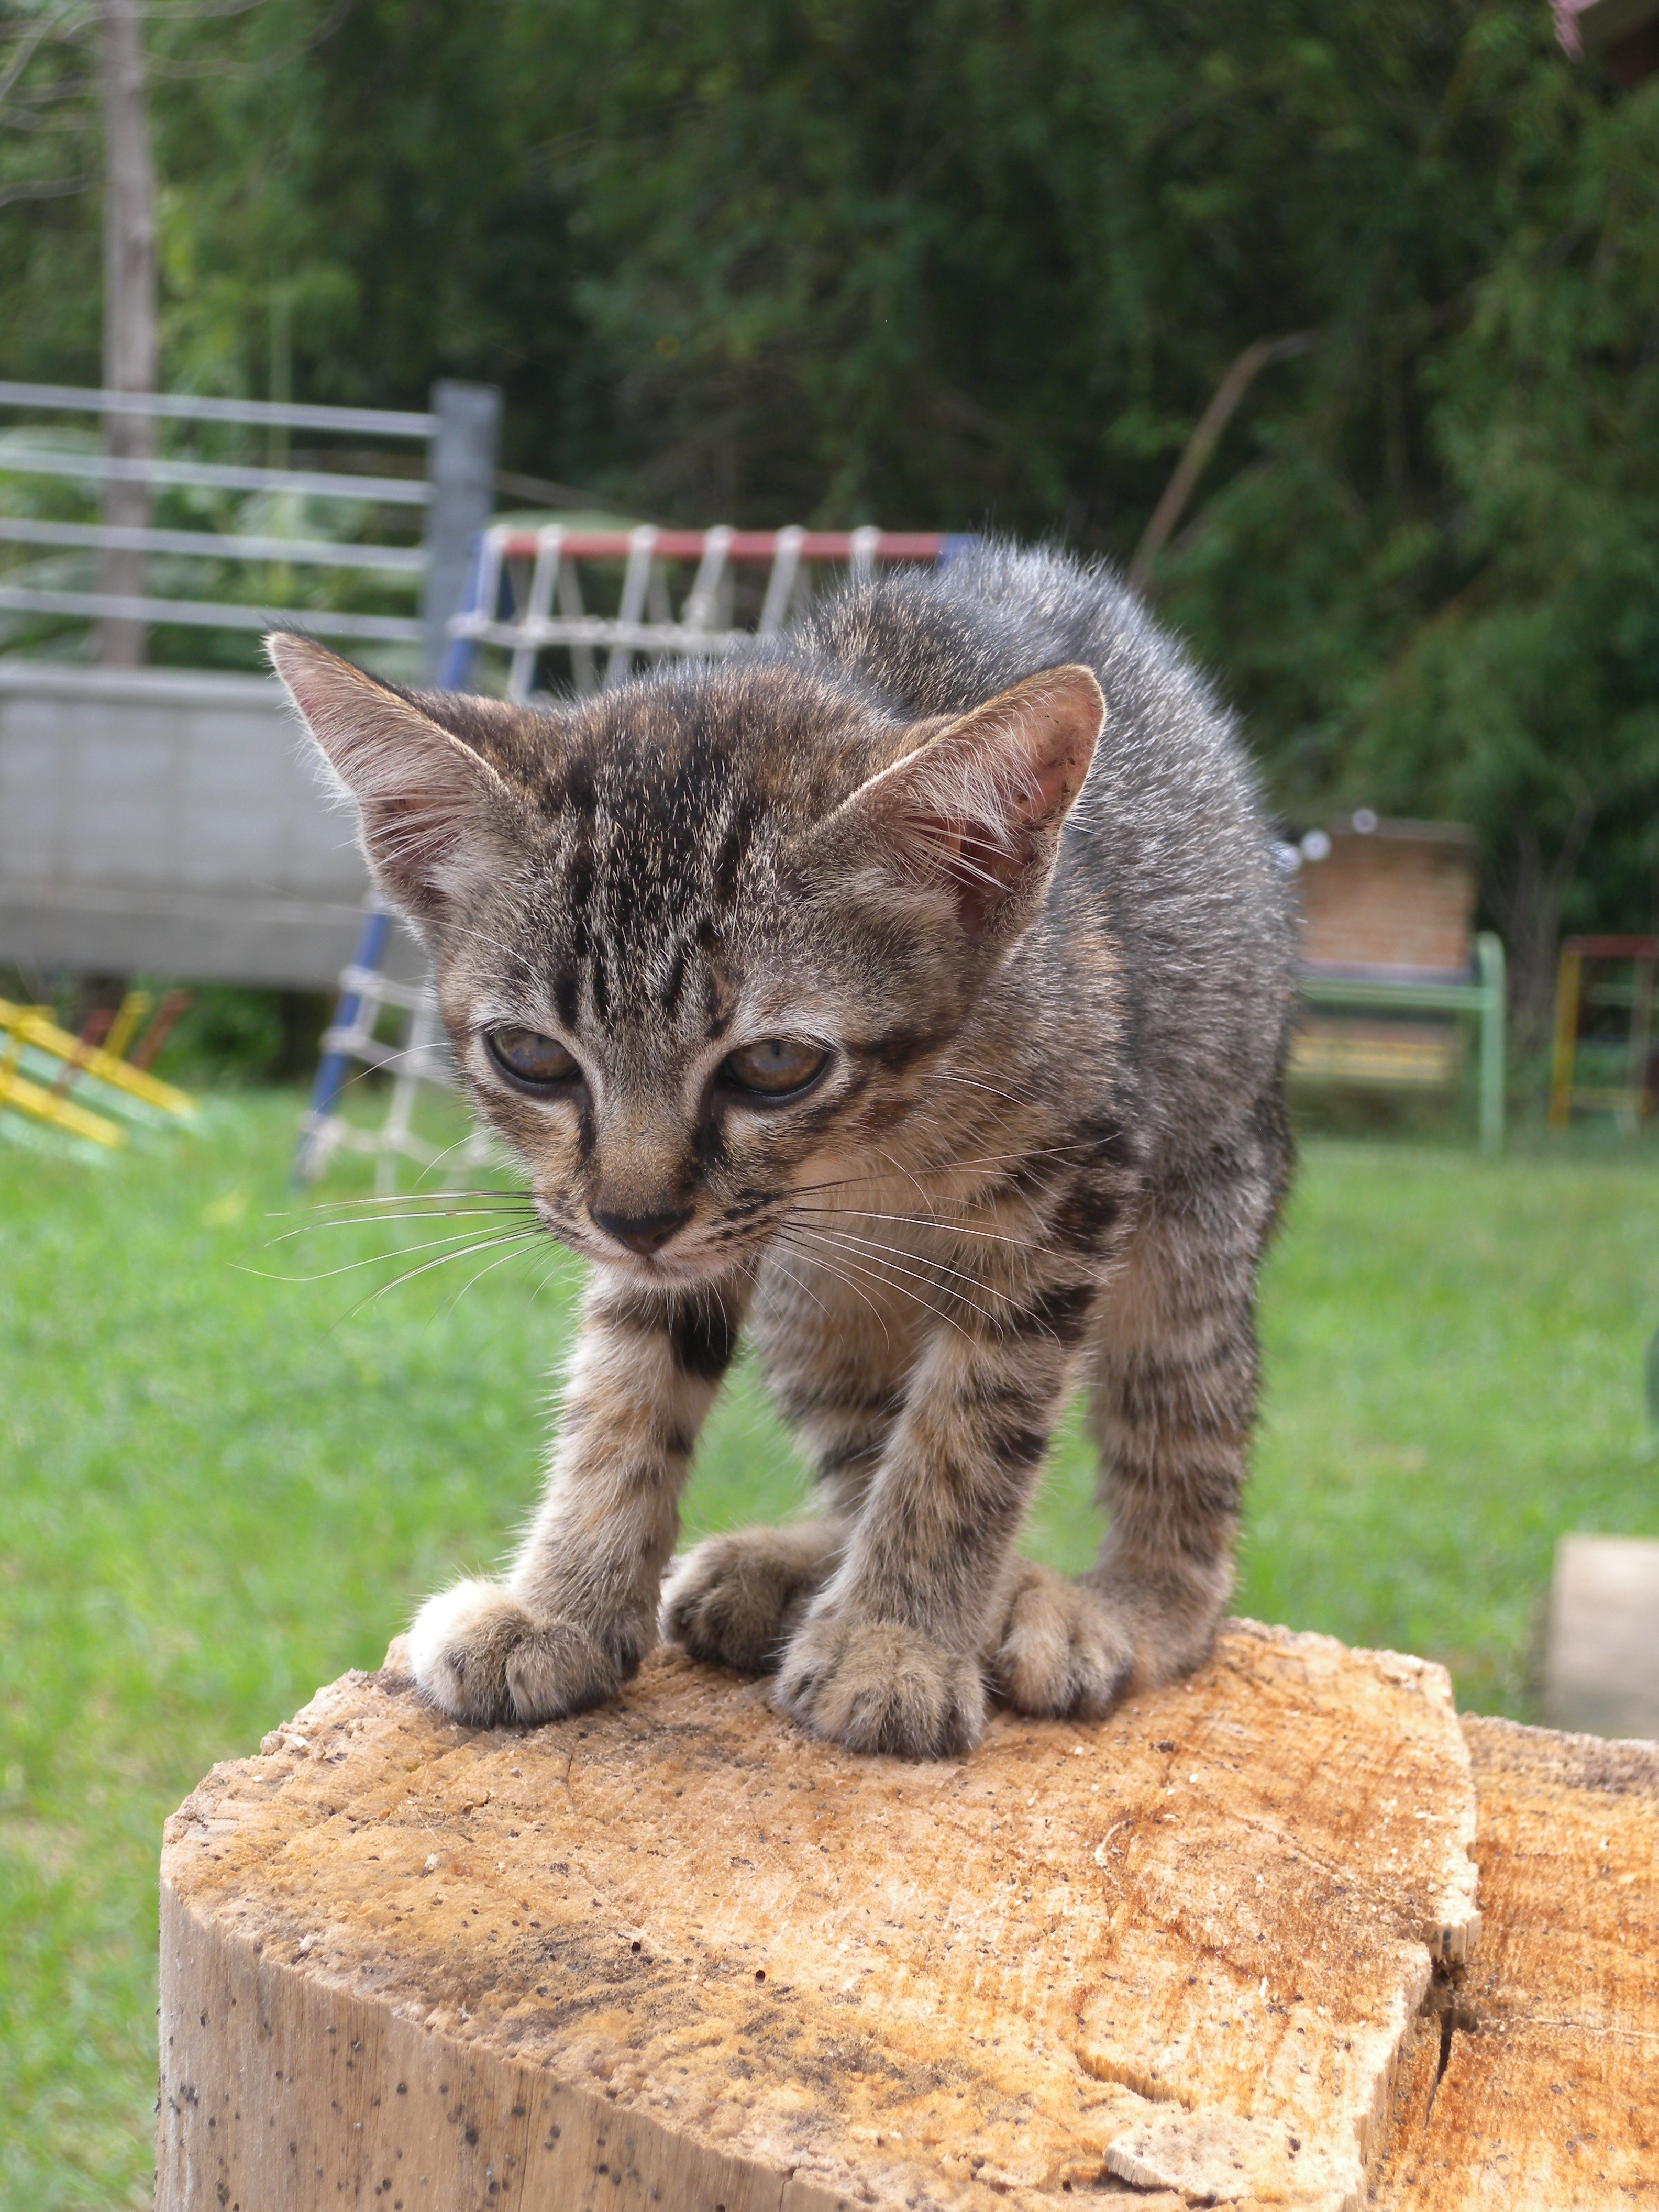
[1601, 1663]
[676, 1954]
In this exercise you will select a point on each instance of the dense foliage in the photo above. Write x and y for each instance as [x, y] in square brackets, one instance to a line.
[976, 261]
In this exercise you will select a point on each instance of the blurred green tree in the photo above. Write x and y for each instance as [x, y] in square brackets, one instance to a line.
[984, 263]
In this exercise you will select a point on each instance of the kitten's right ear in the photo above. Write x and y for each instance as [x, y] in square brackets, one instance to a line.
[434, 813]
[971, 818]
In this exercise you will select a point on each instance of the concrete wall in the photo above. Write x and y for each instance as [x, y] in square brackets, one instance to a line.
[167, 822]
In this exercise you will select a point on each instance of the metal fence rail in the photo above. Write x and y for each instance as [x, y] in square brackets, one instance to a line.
[213, 545]
[187, 407]
[449, 502]
[218, 475]
[210, 614]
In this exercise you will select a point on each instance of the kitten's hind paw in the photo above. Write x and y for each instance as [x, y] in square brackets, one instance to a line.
[1063, 1651]
[478, 1655]
[737, 1599]
[878, 1686]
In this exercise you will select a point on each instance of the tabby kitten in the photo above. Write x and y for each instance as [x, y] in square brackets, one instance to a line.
[911, 993]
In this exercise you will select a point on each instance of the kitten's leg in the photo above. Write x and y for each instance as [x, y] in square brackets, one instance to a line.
[737, 1599]
[573, 1619]
[1173, 1399]
[888, 1657]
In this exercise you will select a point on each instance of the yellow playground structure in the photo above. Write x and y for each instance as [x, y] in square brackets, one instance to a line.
[97, 1085]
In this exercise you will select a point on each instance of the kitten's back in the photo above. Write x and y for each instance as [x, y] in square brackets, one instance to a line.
[1168, 845]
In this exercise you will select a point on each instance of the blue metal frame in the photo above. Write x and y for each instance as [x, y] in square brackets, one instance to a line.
[334, 1069]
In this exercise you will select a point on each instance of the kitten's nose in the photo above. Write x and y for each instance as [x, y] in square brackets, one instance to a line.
[642, 1232]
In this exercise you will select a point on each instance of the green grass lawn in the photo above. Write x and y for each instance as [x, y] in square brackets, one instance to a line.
[218, 1490]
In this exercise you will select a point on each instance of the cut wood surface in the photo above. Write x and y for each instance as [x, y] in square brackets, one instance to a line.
[1534, 2080]
[675, 1953]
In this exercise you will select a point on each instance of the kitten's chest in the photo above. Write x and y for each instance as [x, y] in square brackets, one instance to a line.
[871, 1281]
[860, 1272]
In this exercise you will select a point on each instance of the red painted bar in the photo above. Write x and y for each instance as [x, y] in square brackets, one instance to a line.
[1611, 948]
[745, 545]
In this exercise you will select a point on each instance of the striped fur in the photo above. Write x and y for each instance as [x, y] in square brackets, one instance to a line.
[1052, 978]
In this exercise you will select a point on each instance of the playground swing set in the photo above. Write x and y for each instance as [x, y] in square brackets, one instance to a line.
[95, 1087]
[1607, 1053]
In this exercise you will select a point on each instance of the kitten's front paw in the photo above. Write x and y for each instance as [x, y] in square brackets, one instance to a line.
[480, 1657]
[878, 1686]
[737, 1599]
[1062, 1652]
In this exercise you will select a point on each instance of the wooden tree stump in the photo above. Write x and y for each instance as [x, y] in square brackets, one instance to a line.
[675, 1953]
[1532, 2079]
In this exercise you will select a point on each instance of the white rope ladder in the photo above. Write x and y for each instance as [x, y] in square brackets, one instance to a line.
[529, 599]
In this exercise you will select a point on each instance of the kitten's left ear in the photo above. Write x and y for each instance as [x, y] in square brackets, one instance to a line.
[436, 817]
[975, 812]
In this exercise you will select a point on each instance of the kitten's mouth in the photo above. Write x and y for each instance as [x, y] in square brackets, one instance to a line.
[665, 1269]
[670, 1264]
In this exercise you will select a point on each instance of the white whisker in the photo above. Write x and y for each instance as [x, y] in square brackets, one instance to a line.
[441, 1157]
[474, 1280]
[485, 1244]
[751, 1268]
[374, 1259]
[836, 1274]
[406, 1198]
[945, 1167]
[890, 1255]
[915, 1221]
[448, 1213]
[873, 1274]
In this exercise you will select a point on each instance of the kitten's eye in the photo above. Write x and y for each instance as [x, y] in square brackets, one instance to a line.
[775, 1068]
[529, 1057]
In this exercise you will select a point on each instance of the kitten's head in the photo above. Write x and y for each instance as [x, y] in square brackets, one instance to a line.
[698, 939]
